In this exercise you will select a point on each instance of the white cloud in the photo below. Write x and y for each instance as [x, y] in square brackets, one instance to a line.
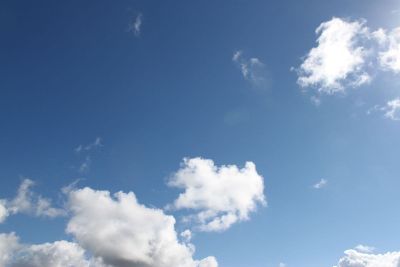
[339, 58]
[136, 25]
[146, 237]
[8, 245]
[85, 165]
[389, 58]
[3, 210]
[320, 184]
[95, 144]
[57, 254]
[392, 109]
[186, 235]
[28, 202]
[364, 249]
[220, 196]
[252, 69]
[355, 258]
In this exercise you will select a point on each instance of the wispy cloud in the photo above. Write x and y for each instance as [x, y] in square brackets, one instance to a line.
[391, 110]
[320, 184]
[136, 25]
[27, 201]
[252, 69]
[95, 144]
[86, 150]
[364, 249]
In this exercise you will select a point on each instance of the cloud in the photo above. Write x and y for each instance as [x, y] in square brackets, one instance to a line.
[28, 202]
[95, 144]
[339, 58]
[85, 165]
[57, 254]
[219, 196]
[364, 249]
[252, 69]
[3, 210]
[108, 231]
[322, 183]
[392, 109]
[8, 245]
[146, 237]
[389, 57]
[136, 25]
[354, 258]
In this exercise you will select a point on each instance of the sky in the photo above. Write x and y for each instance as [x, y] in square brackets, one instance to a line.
[232, 133]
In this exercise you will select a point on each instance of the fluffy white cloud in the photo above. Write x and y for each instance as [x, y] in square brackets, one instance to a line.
[252, 69]
[57, 254]
[8, 245]
[220, 196]
[145, 237]
[354, 258]
[339, 58]
[389, 58]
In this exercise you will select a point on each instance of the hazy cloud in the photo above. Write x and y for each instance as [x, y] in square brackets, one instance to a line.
[320, 184]
[252, 69]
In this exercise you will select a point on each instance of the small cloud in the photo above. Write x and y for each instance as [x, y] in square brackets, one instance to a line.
[136, 25]
[282, 264]
[85, 166]
[322, 183]
[95, 144]
[364, 249]
[391, 110]
[315, 100]
[218, 196]
[252, 69]
[186, 235]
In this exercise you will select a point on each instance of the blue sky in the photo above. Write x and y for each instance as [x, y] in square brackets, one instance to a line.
[141, 85]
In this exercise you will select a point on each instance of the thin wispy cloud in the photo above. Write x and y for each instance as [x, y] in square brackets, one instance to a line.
[320, 184]
[136, 25]
[86, 151]
[97, 143]
[364, 249]
[391, 110]
[252, 69]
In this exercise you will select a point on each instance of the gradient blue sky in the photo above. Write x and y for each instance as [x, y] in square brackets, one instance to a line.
[72, 71]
